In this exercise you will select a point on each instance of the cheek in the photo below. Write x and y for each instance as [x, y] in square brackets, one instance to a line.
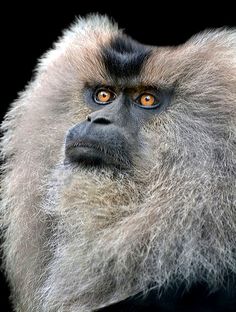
[78, 107]
[154, 136]
[152, 126]
[79, 111]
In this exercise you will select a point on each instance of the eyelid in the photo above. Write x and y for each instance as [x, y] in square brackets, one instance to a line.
[146, 92]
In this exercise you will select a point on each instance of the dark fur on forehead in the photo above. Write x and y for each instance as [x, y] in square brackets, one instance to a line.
[124, 57]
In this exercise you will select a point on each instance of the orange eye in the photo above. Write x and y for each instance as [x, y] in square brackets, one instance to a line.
[147, 100]
[104, 96]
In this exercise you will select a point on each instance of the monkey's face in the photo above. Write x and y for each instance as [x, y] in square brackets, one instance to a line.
[111, 133]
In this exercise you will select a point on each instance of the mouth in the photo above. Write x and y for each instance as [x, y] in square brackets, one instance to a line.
[88, 154]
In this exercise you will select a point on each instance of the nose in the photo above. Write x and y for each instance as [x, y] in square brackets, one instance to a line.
[99, 119]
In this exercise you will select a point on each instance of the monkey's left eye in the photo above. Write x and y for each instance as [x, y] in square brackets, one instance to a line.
[104, 96]
[147, 100]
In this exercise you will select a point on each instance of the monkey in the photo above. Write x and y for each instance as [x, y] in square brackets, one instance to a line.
[118, 172]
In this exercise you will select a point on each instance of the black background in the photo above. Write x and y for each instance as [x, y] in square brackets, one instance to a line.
[27, 31]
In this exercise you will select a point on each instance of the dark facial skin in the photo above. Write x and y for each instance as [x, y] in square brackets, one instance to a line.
[110, 135]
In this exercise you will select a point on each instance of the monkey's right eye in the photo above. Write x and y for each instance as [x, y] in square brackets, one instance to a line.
[104, 96]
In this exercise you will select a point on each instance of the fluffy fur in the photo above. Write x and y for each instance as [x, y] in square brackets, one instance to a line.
[78, 239]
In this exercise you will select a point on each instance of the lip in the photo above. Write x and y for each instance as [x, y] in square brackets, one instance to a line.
[86, 145]
[89, 154]
[90, 145]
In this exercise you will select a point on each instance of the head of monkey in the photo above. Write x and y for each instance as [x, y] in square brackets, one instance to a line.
[119, 169]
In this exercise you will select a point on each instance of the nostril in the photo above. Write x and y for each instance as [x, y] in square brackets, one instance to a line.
[101, 120]
[88, 118]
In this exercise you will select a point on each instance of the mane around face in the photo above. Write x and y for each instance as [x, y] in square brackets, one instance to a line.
[98, 235]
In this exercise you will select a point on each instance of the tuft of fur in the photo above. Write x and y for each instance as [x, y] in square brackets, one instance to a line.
[78, 239]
